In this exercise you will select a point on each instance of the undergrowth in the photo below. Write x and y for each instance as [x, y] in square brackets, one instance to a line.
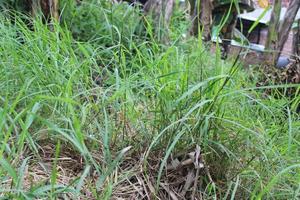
[99, 105]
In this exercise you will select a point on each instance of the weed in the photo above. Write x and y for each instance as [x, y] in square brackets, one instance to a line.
[95, 110]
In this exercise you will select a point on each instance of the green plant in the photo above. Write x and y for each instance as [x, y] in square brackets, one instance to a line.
[101, 113]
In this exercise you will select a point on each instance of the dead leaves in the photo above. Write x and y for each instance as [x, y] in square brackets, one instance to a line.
[185, 176]
[289, 75]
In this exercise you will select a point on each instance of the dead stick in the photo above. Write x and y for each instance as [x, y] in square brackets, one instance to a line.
[195, 185]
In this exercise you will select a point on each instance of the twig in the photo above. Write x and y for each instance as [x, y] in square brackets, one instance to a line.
[195, 185]
[189, 180]
[171, 193]
[179, 165]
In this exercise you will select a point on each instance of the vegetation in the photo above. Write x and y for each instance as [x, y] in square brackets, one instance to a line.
[98, 108]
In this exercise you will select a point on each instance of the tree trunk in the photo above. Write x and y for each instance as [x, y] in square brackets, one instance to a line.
[169, 6]
[201, 14]
[278, 32]
[161, 12]
[49, 8]
[286, 25]
[296, 40]
[55, 9]
[272, 38]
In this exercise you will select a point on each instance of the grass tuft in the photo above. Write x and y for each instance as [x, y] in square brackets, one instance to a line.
[97, 108]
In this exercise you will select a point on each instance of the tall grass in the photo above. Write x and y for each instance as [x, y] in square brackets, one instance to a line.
[99, 89]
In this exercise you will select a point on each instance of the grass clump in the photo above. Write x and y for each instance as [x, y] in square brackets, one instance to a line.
[97, 110]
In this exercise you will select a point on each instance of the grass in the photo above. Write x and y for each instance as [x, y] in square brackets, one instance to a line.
[99, 109]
